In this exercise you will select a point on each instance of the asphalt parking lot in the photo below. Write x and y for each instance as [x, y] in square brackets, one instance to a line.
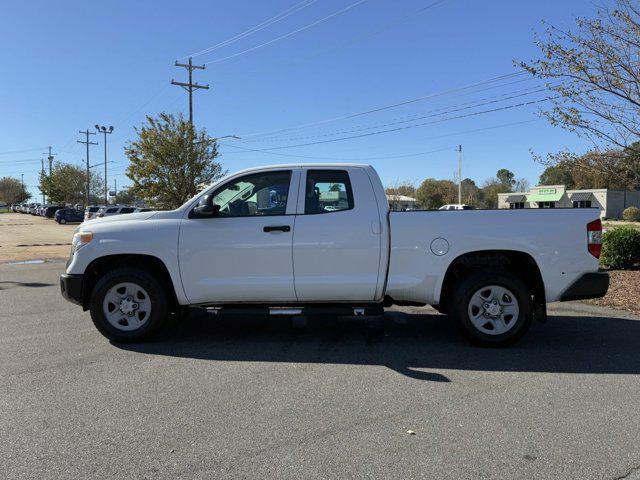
[239, 398]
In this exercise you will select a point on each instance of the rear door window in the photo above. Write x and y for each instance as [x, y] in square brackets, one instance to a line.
[328, 191]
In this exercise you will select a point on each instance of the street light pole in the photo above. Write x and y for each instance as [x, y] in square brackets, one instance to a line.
[104, 130]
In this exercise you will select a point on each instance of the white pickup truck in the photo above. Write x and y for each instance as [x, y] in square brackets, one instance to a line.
[305, 239]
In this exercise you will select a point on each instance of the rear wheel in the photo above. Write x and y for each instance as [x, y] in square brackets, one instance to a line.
[492, 308]
[128, 305]
[63, 221]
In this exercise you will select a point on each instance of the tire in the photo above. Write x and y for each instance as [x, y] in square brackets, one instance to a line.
[493, 308]
[114, 297]
[62, 221]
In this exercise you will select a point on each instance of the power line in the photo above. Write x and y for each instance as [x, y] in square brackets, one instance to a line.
[406, 127]
[266, 23]
[464, 132]
[336, 158]
[10, 152]
[342, 46]
[287, 35]
[389, 106]
[413, 118]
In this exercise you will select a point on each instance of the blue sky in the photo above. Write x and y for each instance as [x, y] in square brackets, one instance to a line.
[69, 65]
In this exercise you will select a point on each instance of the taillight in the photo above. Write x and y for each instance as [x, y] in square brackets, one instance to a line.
[594, 238]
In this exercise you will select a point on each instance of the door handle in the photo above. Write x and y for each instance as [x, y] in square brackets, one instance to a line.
[277, 228]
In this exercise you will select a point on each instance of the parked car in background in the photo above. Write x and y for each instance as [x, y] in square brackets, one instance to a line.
[114, 210]
[91, 212]
[34, 209]
[142, 209]
[69, 215]
[51, 210]
[457, 206]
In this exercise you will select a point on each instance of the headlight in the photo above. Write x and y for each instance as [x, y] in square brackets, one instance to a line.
[80, 239]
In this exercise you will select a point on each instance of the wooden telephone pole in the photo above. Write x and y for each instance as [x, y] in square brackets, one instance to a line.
[190, 86]
[87, 143]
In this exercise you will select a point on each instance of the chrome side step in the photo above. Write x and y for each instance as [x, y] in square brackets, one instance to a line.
[285, 311]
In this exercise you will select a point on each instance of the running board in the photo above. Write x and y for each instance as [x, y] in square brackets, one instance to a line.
[362, 310]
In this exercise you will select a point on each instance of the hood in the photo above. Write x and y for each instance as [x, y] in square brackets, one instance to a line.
[120, 218]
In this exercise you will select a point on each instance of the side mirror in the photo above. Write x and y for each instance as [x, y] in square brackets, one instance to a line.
[205, 208]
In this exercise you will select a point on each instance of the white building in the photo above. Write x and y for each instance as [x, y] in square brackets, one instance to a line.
[401, 202]
[610, 202]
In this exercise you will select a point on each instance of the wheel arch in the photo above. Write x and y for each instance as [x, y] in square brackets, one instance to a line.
[517, 262]
[101, 265]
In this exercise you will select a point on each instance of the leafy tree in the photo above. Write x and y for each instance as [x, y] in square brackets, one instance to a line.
[612, 168]
[506, 178]
[434, 193]
[12, 191]
[490, 190]
[67, 184]
[170, 159]
[470, 192]
[557, 175]
[126, 197]
[406, 188]
[593, 75]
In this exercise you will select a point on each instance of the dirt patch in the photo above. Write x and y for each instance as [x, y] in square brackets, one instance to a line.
[624, 291]
[27, 237]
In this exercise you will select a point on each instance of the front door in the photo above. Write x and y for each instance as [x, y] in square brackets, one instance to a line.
[245, 253]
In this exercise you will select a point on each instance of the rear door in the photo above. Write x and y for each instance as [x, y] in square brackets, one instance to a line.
[244, 254]
[337, 238]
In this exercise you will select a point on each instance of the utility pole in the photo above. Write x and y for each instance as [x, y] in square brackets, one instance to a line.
[190, 86]
[87, 143]
[22, 180]
[42, 191]
[115, 189]
[50, 158]
[460, 174]
[104, 130]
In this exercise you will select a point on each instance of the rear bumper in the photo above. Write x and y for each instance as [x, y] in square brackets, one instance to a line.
[71, 287]
[589, 285]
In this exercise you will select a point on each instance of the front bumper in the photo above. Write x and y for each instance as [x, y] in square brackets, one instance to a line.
[71, 287]
[589, 285]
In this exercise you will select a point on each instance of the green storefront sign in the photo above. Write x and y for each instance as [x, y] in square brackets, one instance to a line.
[545, 195]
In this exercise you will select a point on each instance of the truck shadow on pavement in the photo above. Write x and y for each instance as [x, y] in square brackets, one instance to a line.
[8, 285]
[415, 345]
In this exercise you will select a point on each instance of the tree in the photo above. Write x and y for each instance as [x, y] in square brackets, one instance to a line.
[432, 193]
[170, 159]
[126, 197]
[521, 185]
[506, 178]
[490, 190]
[470, 192]
[67, 184]
[612, 168]
[12, 191]
[594, 78]
[557, 175]
[406, 188]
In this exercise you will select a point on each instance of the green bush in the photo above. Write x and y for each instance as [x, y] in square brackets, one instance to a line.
[621, 248]
[631, 214]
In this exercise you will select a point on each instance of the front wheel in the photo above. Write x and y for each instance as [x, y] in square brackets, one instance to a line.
[492, 308]
[128, 305]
